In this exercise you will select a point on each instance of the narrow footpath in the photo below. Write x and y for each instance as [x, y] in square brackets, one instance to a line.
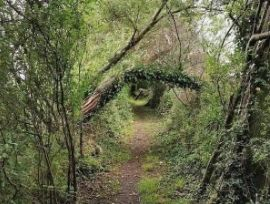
[129, 173]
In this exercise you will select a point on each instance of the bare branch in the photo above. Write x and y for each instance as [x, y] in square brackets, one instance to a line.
[133, 40]
[261, 36]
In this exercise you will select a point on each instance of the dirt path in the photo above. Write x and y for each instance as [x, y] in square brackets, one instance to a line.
[130, 172]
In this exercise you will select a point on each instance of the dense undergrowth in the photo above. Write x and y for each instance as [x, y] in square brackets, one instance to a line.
[174, 168]
[107, 134]
[51, 54]
[193, 124]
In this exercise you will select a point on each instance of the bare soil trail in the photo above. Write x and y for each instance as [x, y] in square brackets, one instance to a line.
[129, 173]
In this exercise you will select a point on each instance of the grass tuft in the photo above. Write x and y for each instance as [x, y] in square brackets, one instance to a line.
[148, 185]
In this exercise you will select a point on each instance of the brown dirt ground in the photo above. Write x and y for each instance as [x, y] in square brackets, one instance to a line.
[130, 172]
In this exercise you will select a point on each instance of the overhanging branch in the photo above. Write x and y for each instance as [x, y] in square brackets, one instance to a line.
[108, 89]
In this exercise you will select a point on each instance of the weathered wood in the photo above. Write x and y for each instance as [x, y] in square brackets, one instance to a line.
[102, 94]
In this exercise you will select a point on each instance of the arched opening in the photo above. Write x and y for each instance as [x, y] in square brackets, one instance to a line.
[109, 88]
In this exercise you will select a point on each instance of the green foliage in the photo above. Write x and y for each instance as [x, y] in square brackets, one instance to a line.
[115, 118]
[40, 44]
[112, 24]
[180, 183]
[166, 104]
[148, 185]
[148, 188]
[111, 128]
[151, 163]
[157, 73]
[194, 125]
[50, 53]
[89, 166]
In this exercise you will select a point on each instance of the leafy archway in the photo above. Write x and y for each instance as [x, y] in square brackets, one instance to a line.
[109, 88]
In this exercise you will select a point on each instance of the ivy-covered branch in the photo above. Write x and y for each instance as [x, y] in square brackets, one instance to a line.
[108, 89]
[172, 78]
